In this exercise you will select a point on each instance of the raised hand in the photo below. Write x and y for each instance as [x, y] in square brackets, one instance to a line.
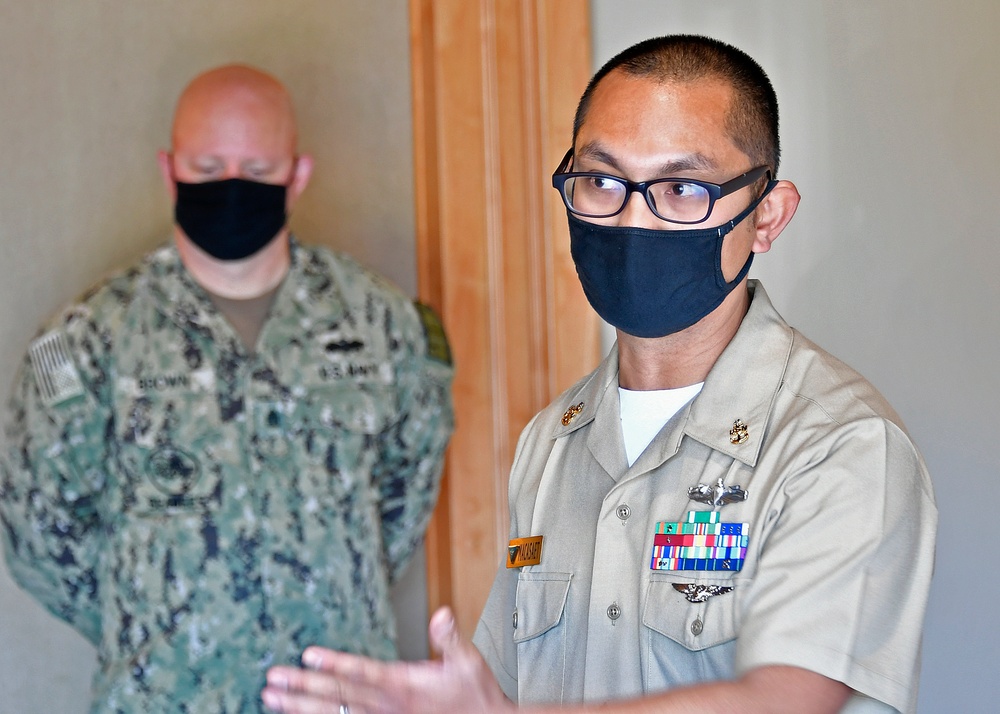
[340, 683]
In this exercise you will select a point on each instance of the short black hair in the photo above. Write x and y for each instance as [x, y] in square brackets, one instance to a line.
[752, 122]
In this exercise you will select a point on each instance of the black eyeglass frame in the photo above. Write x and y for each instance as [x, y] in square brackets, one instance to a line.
[715, 190]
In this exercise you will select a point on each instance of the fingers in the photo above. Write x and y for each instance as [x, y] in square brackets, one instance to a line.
[298, 691]
[459, 684]
[465, 674]
[448, 641]
[334, 678]
[290, 703]
[283, 702]
[319, 658]
[443, 632]
[353, 670]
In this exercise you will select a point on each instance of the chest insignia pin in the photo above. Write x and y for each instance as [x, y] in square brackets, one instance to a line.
[718, 495]
[700, 593]
[572, 413]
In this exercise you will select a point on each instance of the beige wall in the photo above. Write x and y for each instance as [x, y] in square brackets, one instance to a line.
[86, 91]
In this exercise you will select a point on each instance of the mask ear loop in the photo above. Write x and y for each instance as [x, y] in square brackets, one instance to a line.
[731, 284]
[730, 225]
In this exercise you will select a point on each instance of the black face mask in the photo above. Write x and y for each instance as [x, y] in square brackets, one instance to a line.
[231, 219]
[651, 283]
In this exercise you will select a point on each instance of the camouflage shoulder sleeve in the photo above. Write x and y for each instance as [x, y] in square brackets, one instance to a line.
[437, 347]
[408, 470]
[413, 453]
[51, 472]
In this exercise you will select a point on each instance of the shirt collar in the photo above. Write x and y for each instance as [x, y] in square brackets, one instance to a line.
[581, 403]
[186, 303]
[744, 382]
[742, 385]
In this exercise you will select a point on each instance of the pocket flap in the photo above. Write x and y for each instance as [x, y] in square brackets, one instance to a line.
[694, 625]
[361, 409]
[541, 598]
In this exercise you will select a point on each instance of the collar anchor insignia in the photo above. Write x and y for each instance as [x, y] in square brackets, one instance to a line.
[718, 495]
[739, 433]
[572, 413]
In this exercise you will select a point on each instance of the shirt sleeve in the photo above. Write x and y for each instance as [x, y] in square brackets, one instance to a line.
[494, 635]
[50, 478]
[408, 475]
[493, 632]
[845, 566]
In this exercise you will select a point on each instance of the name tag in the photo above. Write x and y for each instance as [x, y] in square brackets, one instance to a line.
[524, 551]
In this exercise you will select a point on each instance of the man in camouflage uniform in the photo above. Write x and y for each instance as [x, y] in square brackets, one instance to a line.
[230, 450]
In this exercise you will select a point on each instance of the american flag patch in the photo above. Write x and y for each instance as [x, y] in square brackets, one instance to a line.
[55, 372]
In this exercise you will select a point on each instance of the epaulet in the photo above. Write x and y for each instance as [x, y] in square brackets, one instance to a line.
[55, 372]
[437, 341]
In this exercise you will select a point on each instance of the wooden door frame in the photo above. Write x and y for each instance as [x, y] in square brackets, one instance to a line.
[495, 84]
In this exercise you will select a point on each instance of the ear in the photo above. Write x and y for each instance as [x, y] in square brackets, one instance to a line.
[300, 179]
[166, 161]
[773, 214]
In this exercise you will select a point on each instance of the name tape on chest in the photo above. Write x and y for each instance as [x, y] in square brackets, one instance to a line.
[701, 542]
[524, 551]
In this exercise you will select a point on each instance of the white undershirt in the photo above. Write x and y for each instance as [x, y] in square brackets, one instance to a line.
[644, 414]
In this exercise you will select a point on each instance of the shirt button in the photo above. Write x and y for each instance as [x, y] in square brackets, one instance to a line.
[614, 612]
[623, 512]
[514, 619]
[697, 627]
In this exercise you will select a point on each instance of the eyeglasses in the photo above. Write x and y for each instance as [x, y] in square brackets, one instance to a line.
[676, 200]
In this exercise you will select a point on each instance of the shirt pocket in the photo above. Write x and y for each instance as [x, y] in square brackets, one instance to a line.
[689, 641]
[170, 444]
[540, 634]
[327, 441]
[318, 456]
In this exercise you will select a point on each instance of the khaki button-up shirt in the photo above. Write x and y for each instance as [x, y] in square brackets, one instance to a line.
[841, 522]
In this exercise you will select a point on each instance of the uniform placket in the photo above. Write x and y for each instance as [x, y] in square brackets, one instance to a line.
[263, 428]
[613, 617]
[622, 541]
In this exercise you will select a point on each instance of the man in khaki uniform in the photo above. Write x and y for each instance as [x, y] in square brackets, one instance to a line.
[230, 450]
[722, 517]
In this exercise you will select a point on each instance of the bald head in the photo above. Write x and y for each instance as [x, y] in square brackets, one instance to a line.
[234, 122]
